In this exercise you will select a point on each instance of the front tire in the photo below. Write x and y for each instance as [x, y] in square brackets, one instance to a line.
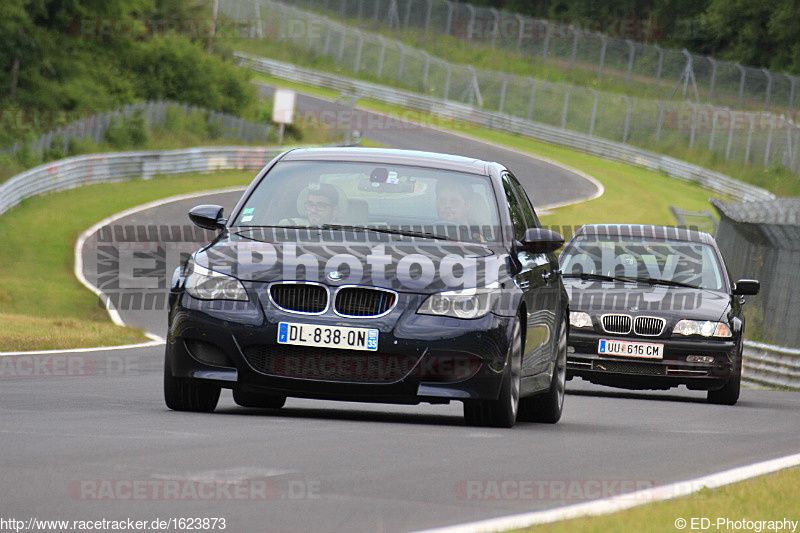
[547, 408]
[181, 394]
[729, 393]
[501, 412]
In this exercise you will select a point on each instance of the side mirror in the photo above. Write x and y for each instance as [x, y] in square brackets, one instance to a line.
[207, 216]
[541, 241]
[746, 287]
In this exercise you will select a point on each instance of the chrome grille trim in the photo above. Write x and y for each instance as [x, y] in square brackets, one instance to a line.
[620, 324]
[301, 297]
[649, 326]
[369, 302]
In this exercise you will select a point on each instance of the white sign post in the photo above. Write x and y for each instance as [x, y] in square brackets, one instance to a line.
[283, 110]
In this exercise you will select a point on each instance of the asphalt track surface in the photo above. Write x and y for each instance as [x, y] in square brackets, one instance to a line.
[86, 436]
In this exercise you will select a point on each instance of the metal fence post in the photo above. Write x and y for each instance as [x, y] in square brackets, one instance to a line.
[768, 75]
[503, 89]
[521, 22]
[402, 64]
[603, 47]
[749, 139]
[730, 140]
[449, 24]
[574, 48]
[496, 29]
[594, 112]
[741, 83]
[659, 122]
[425, 72]
[428, 15]
[377, 12]
[713, 79]
[627, 119]
[694, 124]
[546, 44]
[532, 100]
[341, 46]
[471, 23]
[359, 48]
[713, 128]
[326, 48]
[565, 108]
[660, 68]
[769, 145]
[792, 81]
[408, 13]
[631, 54]
[382, 56]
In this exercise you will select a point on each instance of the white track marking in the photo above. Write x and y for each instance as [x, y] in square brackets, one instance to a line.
[112, 312]
[623, 501]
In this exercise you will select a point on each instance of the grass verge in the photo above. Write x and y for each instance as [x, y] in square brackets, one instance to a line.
[44, 306]
[770, 497]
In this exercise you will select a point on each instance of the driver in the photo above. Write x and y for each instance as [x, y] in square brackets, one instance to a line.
[454, 204]
[321, 206]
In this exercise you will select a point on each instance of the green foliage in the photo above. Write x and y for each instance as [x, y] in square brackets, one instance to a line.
[127, 132]
[71, 55]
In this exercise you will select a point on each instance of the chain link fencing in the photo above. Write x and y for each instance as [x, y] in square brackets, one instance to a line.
[94, 128]
[759, 138]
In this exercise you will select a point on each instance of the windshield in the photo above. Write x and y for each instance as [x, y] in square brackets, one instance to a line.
[367, 195]
[682, 262]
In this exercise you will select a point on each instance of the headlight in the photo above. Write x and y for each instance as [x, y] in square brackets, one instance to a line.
[579, 319]
[206, 284]
[705, 328]
[458, 304]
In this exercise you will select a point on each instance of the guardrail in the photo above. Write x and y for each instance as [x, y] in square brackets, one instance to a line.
[106, 167]
[771, 366]
[463, 113]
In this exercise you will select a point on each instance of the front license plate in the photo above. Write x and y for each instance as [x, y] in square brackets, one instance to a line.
[631, 349]
[328, 336]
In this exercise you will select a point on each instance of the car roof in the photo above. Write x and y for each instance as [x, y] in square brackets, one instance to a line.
[646, 231]
[396, 157]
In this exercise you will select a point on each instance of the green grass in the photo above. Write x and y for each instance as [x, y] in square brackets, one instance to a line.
[44, 306]
[770, 497]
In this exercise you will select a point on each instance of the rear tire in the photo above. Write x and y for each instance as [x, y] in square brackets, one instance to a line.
[181, 394]
[502, 412]
[547, 408]
[265, 401]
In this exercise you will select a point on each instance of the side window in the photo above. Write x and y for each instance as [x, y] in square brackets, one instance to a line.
[515, 209]
[525, 203]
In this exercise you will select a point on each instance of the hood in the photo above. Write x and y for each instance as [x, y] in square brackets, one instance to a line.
[346, 258]
[657, 300]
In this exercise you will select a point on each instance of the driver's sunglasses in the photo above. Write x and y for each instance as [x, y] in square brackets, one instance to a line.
[318, 205]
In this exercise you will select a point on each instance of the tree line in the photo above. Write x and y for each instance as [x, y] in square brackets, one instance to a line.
[753, 33]
[96, 55]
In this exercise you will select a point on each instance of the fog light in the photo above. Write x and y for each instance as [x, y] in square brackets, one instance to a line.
[699, 358]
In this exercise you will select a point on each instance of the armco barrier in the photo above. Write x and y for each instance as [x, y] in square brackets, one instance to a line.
[771, 366]
[99, 168]
[459, 112]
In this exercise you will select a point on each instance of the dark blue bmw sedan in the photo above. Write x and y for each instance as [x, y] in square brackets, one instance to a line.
[373, 275]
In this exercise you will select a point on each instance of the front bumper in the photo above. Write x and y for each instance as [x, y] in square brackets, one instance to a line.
[641, 373]
[420, 358]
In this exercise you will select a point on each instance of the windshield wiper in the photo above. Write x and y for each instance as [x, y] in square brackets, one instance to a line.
[390, 231]
[668, 282]
[602, 277]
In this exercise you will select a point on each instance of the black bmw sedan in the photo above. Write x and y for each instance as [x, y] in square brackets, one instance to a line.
[373, 275]
[653, 307]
